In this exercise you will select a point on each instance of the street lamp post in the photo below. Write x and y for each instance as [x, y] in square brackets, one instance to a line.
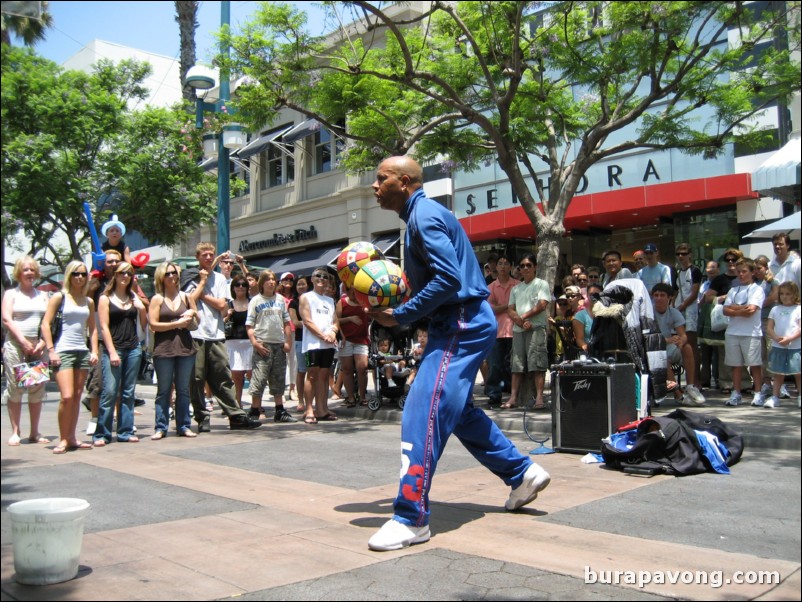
[200, 78]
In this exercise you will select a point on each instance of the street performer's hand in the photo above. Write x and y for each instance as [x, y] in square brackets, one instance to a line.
[383, 315]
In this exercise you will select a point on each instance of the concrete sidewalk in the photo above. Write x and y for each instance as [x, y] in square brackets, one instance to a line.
[285, 512]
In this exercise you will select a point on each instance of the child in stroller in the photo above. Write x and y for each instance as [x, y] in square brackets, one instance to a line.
[388, 359]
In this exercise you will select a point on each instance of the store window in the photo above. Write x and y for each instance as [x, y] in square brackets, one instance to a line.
[327, 148]
[276, 167]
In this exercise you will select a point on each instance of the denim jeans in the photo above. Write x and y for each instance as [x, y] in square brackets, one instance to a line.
[169, 371]
[118, 379]
[499, 376]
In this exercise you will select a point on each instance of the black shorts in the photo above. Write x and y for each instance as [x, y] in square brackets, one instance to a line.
[319, 358]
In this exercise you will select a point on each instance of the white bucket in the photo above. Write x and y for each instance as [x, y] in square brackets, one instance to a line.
[47, 535]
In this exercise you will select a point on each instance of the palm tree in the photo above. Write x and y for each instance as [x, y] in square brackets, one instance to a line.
[187, 18]
[28, 27]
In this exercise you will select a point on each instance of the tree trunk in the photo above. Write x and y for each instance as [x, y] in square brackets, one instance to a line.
[187, 19]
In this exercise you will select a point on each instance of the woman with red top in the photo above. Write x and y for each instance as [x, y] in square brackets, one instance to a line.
[354, 347]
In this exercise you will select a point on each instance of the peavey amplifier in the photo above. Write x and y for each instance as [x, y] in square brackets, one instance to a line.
[590, 401]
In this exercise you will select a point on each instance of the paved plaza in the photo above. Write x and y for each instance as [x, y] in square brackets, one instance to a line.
[285, 512]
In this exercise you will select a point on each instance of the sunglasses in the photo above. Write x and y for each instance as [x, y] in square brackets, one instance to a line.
[682, 253]
[571, 296]
[593, 277]
[523, 266]
[171, 273]
[582, 280]
[127, 274]
[323, 276]
[241, 285]
[730, 259]
[77, 274]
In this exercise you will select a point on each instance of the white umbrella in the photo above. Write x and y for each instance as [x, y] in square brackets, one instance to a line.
[789, 224]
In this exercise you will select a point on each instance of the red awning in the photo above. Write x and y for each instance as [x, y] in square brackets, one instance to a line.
[639, 206]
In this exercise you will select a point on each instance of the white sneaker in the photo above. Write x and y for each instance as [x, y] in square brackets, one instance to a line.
[535, 480]
[766, 390]
[772, 402]
[395, 535]
[784, 394]
[734, 400]
[695, 395]
[91, 427]
[758, 400]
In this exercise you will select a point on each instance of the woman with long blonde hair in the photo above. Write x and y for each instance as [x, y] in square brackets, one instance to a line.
[120, 312]
[69, 356]
[171, 314]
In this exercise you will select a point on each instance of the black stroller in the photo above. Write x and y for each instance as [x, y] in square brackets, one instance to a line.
[395, 388]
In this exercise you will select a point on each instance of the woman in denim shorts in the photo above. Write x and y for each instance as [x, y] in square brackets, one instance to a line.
[70, 357]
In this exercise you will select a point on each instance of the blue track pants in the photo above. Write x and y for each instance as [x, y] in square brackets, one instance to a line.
[440, 402]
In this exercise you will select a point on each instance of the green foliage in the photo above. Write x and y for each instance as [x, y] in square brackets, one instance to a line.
[537, 87]
[69, 137]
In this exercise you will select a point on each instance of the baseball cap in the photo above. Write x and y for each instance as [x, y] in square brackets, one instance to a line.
[650, 248]
[287, 276]
[572, 290]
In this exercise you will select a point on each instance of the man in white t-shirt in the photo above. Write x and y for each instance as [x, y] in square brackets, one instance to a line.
[743, 339]
[211, 359]
[786, 265]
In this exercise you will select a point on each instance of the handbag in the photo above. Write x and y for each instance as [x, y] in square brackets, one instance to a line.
[718, 321]
[30, 374]
[56, 324]
[195, 322]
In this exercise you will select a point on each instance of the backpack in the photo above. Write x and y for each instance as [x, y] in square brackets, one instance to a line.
[681, 443]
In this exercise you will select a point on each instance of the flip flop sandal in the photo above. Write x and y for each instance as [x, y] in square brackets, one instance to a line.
[310, 420]
[80, 446]
[59, 449]
[327, 418]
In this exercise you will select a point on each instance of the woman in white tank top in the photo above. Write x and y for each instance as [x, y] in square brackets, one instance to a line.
[23, 308]
[69, 356]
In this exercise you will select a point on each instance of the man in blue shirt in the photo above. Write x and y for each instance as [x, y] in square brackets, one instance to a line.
[654, 271]
[450, 289]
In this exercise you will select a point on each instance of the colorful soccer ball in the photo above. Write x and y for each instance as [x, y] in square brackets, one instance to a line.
[381, 283]
[353, 257]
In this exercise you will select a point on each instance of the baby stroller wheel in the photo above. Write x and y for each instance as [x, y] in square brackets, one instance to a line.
[374, 404]
[401, 401]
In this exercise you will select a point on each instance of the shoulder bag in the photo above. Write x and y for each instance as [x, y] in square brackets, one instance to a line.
[56, 324]
[718, 321]
[193, 325]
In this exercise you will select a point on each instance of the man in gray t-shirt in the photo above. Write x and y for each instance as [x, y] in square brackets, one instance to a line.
[678, 351]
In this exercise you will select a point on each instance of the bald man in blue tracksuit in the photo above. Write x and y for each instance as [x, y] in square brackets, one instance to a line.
[450, 289]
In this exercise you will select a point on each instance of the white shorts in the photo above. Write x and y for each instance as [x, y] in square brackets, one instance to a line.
[741, 350]
[350, 349]
[240, 354]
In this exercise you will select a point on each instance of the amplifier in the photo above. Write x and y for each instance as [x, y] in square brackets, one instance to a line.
[590, 401]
